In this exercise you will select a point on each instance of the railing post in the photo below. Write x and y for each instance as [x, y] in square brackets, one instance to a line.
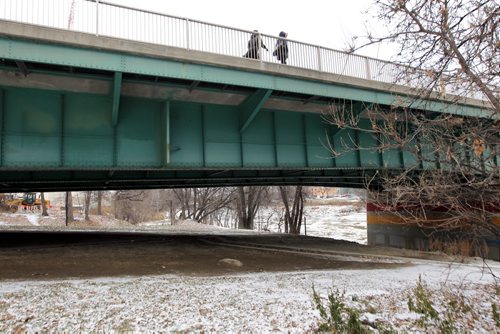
[97, 17]
[260, 53]
[318, 50]
[187, 34]
[367, 65]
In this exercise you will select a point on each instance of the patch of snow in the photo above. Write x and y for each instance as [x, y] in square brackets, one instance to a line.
[406, 316]
[33, 218]
[156, 223]
[231, 262]
[341, 222]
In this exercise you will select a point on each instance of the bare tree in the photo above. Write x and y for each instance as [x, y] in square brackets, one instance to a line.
[137, 206]
[295, 213]
[446, 46]
[248, 201]
[99, 203]
[44, 204]
[132, 206]
[69, 208]
[199, 203]
[88, 196]
[455, 173]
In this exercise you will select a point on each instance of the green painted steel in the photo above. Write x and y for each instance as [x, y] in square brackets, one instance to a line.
[57, 139]
[2, 107]
[88, 134]
[258, 141]
[32, 128]
[115, 62]
[117, 84]
[165, 134]
[50, 129]
[252, 105]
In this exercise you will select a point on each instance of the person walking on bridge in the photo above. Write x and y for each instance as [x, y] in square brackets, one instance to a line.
[254, 45]
[281, 49]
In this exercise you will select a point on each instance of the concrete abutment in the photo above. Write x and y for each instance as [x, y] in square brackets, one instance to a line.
[399, 227]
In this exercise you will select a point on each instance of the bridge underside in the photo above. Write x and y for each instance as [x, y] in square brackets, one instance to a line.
[71, 124]
[63, 180]
[69, 128]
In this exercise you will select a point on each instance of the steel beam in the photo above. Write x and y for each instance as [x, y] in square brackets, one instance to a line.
[117, 86]
[61, 136]
[165, 152]
[2, 125]
[68, 55]
[252, 105]
[194, 85]
[331, 143]
[304, 134]
[203, 139]
[275, 140]
[21, 65]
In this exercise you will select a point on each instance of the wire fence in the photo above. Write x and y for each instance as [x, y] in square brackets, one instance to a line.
[107, 19]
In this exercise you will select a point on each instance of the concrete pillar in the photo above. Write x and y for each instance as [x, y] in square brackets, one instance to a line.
[494, 243]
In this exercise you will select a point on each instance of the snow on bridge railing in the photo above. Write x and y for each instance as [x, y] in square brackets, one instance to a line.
[107, 19]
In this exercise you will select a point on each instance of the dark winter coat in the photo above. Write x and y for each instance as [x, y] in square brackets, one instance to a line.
[281, 50]
[254, 47]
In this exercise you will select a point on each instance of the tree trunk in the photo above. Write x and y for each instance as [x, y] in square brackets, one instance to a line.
[88, 195]
[69, 208]
[298, 211]
[241, 207]
[247, 205]
[284, 197]
[172, 213]
[44, 205]
[99, 203]
[293, 217]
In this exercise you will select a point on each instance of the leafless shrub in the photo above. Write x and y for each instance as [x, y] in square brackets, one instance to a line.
[199, 203]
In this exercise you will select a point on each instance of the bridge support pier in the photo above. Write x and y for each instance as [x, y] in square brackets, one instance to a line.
[396, 228]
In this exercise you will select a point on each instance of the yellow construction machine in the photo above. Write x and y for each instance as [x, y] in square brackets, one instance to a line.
[28, 201]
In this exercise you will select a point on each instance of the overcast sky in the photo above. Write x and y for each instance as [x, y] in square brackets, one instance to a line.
[329, 23]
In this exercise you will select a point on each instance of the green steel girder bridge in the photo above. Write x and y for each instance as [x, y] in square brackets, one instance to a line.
[100, 96]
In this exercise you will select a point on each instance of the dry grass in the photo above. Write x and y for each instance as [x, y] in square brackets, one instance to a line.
[105, 210]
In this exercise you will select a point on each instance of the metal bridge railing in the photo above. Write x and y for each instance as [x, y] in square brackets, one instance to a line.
[107, 19]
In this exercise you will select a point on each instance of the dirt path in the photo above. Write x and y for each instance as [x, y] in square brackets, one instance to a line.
[82, 255]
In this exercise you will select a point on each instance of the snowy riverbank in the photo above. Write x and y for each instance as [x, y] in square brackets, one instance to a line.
[261, 302]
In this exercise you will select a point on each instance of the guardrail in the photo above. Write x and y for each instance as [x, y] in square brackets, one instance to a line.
[113, 20]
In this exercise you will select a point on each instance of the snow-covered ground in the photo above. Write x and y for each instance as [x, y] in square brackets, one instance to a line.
[339, 218]
[260, 302]
[343, 221]
[33, 218]
[338, 222]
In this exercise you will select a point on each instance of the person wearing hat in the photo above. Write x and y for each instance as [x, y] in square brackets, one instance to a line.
[281, 49]
[254, 45]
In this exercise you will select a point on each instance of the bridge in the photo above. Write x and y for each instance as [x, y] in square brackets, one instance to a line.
[117, 97]
[101, 96]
